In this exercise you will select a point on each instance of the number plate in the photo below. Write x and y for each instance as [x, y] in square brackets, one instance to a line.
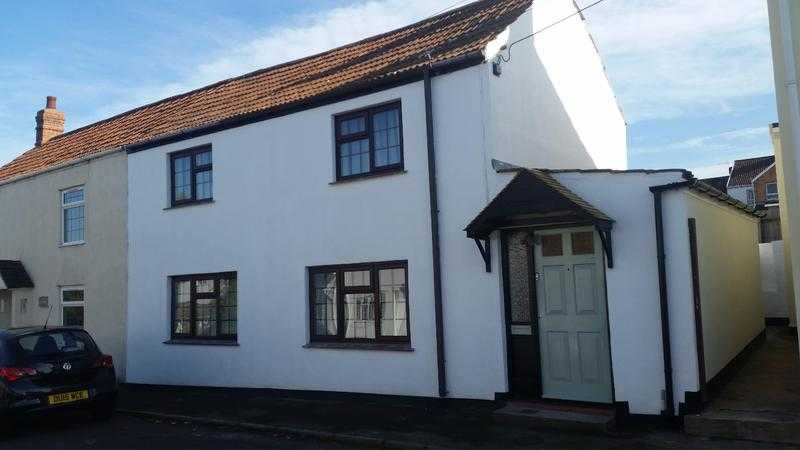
[68, 397]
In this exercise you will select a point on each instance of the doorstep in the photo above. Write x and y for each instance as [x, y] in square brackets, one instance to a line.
[568, 417]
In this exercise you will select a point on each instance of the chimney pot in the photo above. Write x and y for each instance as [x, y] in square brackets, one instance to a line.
[49, 122]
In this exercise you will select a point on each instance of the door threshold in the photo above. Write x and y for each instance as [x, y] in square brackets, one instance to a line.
[557, 415]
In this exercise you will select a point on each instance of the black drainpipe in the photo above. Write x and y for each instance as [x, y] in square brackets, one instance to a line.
[437, 259]
[669, 412]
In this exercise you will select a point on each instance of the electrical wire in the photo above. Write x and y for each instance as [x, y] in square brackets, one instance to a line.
[504, 59]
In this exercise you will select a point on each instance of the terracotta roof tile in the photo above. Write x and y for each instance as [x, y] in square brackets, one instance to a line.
[457, 33]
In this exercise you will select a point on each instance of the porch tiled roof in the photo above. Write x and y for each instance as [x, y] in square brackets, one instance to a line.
[454, 35]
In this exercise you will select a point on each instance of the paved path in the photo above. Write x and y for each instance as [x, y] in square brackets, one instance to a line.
[128, 433]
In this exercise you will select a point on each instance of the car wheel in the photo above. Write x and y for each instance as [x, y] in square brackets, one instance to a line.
[104, 409]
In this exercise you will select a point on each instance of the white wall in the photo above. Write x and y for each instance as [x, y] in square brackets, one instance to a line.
[30, 231]
[275, 213]
[773, 280]
[730, 280]
[554, 97]
[632, 285]
[739, 193]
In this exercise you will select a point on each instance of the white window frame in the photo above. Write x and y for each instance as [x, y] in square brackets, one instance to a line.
[771, 198]
[81, 303]
[65, 207]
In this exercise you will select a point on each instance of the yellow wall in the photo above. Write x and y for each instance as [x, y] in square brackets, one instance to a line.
[730, 279]
[784, 20]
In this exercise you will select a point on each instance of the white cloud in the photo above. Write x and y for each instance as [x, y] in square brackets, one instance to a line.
[714, 170]
[307, 35]
[756, 138]
[678, 58]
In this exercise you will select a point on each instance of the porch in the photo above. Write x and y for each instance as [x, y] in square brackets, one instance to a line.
[759, 399]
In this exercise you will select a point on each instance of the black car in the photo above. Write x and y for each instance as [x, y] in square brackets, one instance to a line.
[46, 369]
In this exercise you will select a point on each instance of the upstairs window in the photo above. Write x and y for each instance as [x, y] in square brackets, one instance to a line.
[751, 197]
[361, 302]
[191, 174]
[772, 192]
[369, 141]
[73, 216]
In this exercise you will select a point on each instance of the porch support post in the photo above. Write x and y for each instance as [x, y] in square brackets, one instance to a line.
[486, 251]
[605, 239]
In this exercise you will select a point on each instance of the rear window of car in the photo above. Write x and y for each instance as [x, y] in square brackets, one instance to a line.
[53, 344]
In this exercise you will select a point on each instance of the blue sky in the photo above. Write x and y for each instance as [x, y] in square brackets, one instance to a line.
[693, 78]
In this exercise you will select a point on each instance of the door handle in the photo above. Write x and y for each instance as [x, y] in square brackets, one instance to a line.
[537, 276]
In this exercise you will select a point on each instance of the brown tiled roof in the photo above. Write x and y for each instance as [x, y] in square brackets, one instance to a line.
[454, 35]
[744, 170]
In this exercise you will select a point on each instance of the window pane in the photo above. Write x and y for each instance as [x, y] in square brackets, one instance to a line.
[352, 126]
[393, 302]
[552, 245]
[202, 159]
[73, 316]
[182, 296]
[325, 304]
[203, 185]
[357, 278]
[227, 296]
[72, 296]
[182, 178]
[354, 157]
[204, 286]
[205, 313]
[73, 196]
[74, 223]
[359, 316]
[583, 243]
[386, 137]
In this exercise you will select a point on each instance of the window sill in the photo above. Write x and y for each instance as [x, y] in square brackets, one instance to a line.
[369, 176]
[187, 204]
[379, 346]
[201, 342]
[73, 244]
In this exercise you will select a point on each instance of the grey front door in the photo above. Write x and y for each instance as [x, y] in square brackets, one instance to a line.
[5, 309]
[572, 317]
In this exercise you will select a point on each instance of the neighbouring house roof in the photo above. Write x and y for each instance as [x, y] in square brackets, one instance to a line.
[13, 275]
[532, 195]
[456, 37]
[709, 191]
[718, 183]
[744, 170]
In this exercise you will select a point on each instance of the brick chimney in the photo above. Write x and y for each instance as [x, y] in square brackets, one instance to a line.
[49, 122]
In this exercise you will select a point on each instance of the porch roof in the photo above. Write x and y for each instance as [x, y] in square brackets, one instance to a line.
[534, 197]
[13, 275]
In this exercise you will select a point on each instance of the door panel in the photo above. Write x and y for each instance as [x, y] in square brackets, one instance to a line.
[555, 289]
[573, 329]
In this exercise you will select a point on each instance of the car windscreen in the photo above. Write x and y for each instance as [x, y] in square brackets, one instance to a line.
[55, 344]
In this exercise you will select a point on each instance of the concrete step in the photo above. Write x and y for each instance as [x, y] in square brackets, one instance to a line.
[556, 416]
[764, 426]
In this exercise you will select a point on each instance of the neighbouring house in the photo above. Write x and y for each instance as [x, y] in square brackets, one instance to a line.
[63, 245]
[753, 181]
[784, 25]
[718, 183]
[372, 220]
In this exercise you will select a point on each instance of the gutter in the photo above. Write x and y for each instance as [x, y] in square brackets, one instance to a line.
[70, 163]
[353, 90]
[436, 251]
